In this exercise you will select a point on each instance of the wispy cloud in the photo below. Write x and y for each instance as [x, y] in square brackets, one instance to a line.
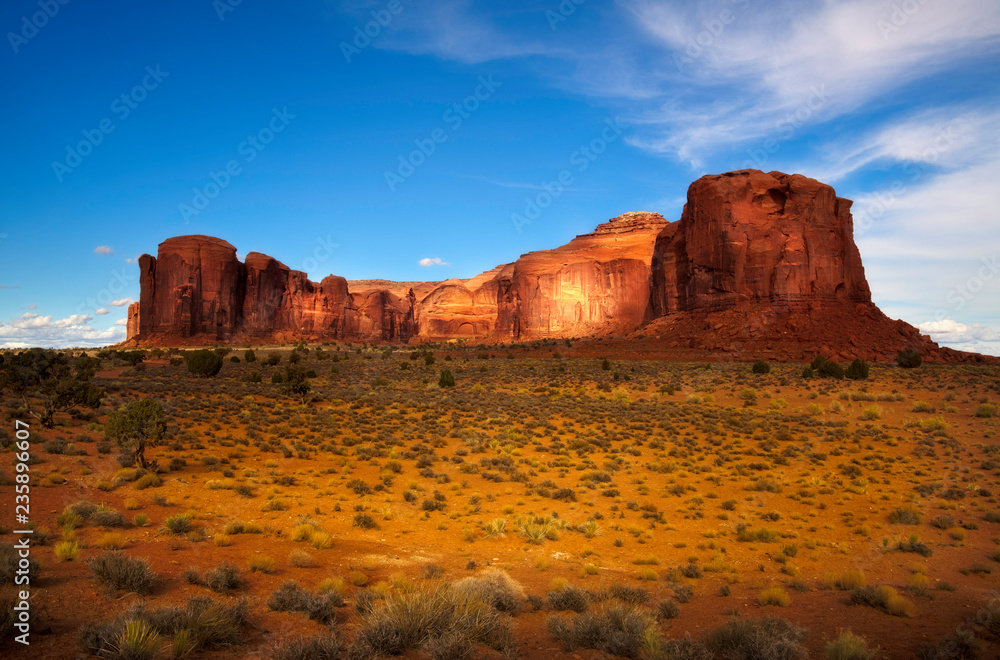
[101, 312]
[121, 302]
[432, 261]
[104, 250]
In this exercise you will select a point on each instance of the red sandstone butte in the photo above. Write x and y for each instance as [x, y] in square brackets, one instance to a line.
[759, 264]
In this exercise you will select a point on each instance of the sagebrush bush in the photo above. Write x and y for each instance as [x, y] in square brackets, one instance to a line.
[905, 516]
[615, 628]
[884, 598]
[849, 646]
[292, 597]
[412, 620]
[117, 571]
[224, 577]
[570, 598]
[493, 586]
[766, 638]
[202, 622]
[325, 646]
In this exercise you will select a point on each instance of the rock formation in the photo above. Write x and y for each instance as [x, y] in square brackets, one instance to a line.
[770, 239]
[758, 263]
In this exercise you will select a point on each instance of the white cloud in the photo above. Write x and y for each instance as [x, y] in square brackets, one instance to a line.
[432, 262]
[31, 329]
[32, 306]
[121, 322]
[101, 312]
[974, 337]
[103, 250]
[121, 302]
[131, 260]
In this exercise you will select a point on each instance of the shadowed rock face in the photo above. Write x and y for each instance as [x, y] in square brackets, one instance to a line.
[757, 260]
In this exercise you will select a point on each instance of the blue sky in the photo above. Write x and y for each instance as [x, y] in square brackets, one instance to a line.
[410, 152]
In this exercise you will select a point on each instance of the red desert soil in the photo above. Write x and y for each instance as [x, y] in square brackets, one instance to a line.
[667, 459]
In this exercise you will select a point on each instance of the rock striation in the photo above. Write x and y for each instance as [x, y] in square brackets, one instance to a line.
[759, 263]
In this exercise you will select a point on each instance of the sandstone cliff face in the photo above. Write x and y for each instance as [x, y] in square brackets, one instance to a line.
[597, 283]
[762, 238]
[759, 265]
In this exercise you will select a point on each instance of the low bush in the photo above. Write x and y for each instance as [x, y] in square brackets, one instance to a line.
[884, 598]
[766, 638]
[325, 646]
[117, 571]
[203, 363]
[615, 628]
[569, 598]
[495, 587]
[909, 359]
[223, 578]
[292, 597]
[419, 618]
[848, 646]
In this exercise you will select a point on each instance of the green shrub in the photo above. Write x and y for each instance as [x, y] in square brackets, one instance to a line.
[827, 369]
[986, 410]
[909, 359]
[179, 523]
[203, 622]
[858, 370]
[849, 646]
[203, 363]
[136, 641]
[761, 367]
[447, 379]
